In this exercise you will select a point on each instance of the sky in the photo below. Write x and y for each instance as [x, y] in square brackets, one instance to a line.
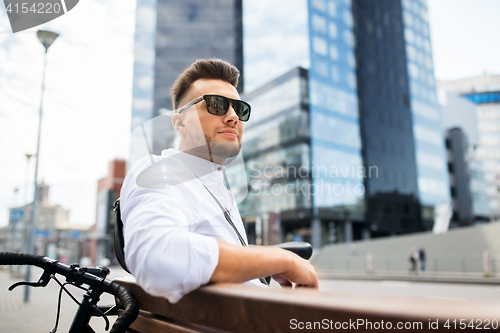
[464, 37]
[87, 105]
[88, 96]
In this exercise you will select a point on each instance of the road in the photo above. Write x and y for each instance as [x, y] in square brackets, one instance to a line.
[39, 315]
[429, 290]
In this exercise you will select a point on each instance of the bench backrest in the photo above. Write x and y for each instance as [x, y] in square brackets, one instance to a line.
[119, 241]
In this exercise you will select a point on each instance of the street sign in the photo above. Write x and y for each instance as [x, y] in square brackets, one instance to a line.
[17, 215]
[43, 233]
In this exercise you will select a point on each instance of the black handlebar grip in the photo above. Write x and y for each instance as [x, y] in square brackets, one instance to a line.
[17, 258]
[302, 249]
[130, 306]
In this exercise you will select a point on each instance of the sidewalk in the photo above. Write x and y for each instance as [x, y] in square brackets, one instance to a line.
[405, 276]
[39, 315]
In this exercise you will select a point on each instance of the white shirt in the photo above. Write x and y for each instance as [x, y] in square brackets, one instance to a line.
[170, 221]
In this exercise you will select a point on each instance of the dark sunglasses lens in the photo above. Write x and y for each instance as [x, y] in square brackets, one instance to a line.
[242, 110]
[216, 105]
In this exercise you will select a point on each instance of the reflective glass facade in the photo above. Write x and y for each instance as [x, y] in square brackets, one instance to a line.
[392, 192]
[170, 36]
[276, 148]
[377, 155]
[317, 139]
[144, 62]
[335, 131]
[430, 152]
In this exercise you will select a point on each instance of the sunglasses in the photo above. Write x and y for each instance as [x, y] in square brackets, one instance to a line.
[219, 105]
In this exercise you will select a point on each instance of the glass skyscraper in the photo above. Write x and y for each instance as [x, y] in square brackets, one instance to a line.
[401, 119]
[170, 35]
[374, 150]
[318, 104]
[386, 120]
[430, 151]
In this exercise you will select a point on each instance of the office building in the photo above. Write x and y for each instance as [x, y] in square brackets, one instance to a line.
[401, 120]
[108, 190]
[484, 91]
[54, 236]
[317, 36]
[467, 184]
[47, 218]
[365, 106]
[170, 35]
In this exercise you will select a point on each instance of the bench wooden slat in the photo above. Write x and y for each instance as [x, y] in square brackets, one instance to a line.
[148, 322]
[240, 308]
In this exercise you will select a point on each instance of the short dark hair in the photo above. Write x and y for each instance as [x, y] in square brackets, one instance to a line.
[214, 68]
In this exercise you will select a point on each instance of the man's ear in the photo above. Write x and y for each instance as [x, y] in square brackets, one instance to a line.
[178, 123]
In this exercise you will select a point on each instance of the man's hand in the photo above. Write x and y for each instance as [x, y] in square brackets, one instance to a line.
[301, 272]
[239, 264]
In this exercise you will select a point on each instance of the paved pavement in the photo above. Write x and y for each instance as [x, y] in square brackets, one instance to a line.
[39, 314]
[470, 278]
[428, 290]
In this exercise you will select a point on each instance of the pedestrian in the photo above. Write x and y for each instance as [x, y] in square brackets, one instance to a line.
[421, 256]
[413, 257]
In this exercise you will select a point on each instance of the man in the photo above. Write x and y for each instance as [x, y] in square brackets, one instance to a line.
[422, 257]
[182, 227]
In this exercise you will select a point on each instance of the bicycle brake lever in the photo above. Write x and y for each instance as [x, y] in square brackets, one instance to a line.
[98, 312]
[42, 282]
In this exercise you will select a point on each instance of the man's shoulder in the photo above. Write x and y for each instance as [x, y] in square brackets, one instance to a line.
[156, 172]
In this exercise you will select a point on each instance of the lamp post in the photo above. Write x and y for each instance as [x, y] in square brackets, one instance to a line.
[24, 236]
[46, 38]
[28, 156]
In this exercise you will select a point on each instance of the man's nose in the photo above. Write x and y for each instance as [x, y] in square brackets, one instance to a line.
[231, 115]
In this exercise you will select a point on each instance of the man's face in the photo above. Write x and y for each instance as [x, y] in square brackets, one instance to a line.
[221, 134]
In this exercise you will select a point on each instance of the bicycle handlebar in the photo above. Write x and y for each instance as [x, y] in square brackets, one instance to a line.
[302, 249]
[80, 275]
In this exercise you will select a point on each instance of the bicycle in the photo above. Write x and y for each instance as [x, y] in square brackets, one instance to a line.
[94, 278]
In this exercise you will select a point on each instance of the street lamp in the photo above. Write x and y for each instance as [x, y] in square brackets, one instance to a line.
[46, 38]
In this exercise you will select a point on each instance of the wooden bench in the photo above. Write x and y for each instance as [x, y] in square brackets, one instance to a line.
[239, 308]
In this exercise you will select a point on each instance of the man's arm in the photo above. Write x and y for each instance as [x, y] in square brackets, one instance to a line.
[239, 264]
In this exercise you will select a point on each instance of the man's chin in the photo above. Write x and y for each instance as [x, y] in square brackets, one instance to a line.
[223, 149]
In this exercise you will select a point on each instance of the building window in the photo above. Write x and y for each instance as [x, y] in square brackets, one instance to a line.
[319, 23]
[335, 73]
[334, 53]
[332, 30]
[413, 70]
[321, 68]
[409, 36]
[348, 20]
[351, 59]
[351, 80]
[319, 5]
[349, 38]
[332, 9]
[320, 46]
